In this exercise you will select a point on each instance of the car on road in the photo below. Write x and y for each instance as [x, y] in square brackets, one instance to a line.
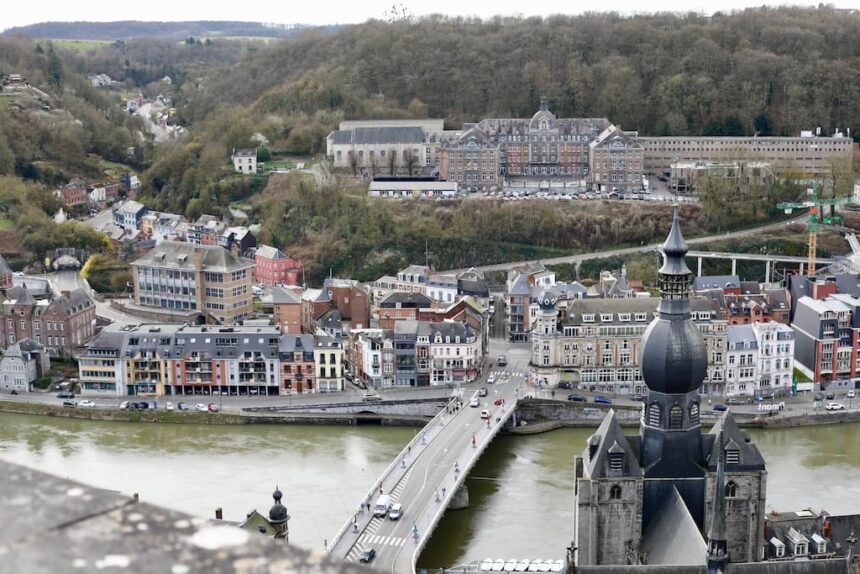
[485, 414]
[474, 402]
[830, 396]
[143, 405]
[502, 361]
[482, 392]
[124, 405]
[818, 397]
[491, 380]
[638, 397]
[396, 511]
[86, 403]
[213, 408]
[851, 394]
[65, 395]
[577, 398]
[565, 385]
[734, 401]
[368, 555]
[200, 408]
[720, 407]
[498, 402]
[168, 406]
[835, 407]
[68, 403]
[599, 400]
[371, 397]
[182, 407]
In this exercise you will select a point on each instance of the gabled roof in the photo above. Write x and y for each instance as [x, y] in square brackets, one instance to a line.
[180, 255]
[406, 301]
[386, 135]
[4, 267]
[269, 252]
[282, 296]
[672, 537]
[716, 282]
[733, 437]
[609, 438]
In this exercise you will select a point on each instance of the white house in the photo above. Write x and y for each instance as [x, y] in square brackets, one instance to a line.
[759, 359]
[245, 160]
[22, 364]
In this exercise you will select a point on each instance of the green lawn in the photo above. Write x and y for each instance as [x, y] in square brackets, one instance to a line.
[5, 224]
[6, 99]
[80, 45]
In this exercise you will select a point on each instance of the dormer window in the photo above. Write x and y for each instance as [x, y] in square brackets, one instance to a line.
[606, 317]
[588, 318]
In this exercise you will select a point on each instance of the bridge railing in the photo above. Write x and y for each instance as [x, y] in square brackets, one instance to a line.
[459, 478]
[376, 485]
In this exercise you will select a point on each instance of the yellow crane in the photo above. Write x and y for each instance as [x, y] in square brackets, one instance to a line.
[815, 205]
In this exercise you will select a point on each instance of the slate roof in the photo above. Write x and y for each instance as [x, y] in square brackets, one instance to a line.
[828, 566]
[282, 296]
[131, 207]
[450, 329]
[270, 252]
[672, 536]
[74, 302]
[609, 436]
[293, 343]
[404, 300]
[387, 135]
[734, 437]
[716, 282]
[741, 335]
[181, 256]
[244, 153]
[4, 267]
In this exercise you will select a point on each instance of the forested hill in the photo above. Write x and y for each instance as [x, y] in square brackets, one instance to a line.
[127, 30]
[771, 70]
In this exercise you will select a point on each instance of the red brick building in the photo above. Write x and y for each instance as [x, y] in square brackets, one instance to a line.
[287, 310]
[273, 267]
[74, 192]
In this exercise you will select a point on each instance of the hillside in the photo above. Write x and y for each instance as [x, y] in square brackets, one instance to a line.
[126, 30]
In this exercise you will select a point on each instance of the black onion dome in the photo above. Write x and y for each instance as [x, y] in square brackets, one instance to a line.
[673, 356]
[278, 512]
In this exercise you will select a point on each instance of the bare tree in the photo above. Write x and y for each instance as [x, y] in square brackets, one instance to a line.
[374, 165]
[353, 163]
[411, 160]
[392, 162]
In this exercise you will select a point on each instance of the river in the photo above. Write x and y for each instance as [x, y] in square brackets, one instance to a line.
[521, 491]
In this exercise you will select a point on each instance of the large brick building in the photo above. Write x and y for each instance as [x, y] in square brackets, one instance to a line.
[60, 323]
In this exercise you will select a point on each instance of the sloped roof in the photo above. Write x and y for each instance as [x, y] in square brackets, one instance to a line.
[386, 135]
[4, 267]
[716, 282]
[281, 296]
[609, 438]
[672, 537]
[180, 255]
[406, 301]
[270, 252]
[734, 437]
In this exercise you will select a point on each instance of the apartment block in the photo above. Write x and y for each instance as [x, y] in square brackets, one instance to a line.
[760, 359]
[206, 279]
[827, 338]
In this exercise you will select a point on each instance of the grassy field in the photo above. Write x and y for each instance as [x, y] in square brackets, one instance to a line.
[6, 99]
[80, 45]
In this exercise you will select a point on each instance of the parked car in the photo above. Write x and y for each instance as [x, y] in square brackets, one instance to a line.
[86, 403]
[213, 408]
[599, 400]
[368, 555]
[182, 407]
[851, 394]
[830, 396]
[143, 405]
[818, 397]
[200, 408]
[124, 405]
[70, 404]
[734, 401]
[371, 397]
[577, 398]
[565, 385]
[835, 407]
[482, 392]
[720, 407]
[65, 395]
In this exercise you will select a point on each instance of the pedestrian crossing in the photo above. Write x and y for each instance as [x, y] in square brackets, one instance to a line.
[369, 537]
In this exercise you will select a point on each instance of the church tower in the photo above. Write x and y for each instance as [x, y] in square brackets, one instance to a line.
[674, 363]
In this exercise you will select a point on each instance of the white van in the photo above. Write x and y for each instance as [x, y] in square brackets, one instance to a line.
[474, 402]
[383, 505]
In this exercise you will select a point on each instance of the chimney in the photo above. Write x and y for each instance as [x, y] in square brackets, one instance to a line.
[234, 248]
[219, 514]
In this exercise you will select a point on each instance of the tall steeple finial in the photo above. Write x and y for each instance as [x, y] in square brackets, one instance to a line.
[675, 277]
[718, 555]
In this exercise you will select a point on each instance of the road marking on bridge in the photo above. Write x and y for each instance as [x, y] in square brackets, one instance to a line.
[369, 536]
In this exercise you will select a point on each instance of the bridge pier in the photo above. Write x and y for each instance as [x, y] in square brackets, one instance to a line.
[699, 274]
[460, 498]
[767, 272]
[734, 266]
[801, 269]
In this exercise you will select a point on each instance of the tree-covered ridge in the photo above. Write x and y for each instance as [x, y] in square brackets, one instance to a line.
[772, 70]
[127, 29]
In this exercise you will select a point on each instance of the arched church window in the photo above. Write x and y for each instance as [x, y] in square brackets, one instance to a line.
[731, 489]
[694, 413]
[615, 492]
[654, 415]
[676, 417]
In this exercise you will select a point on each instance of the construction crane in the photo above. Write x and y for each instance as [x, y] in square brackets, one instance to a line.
[815, 205]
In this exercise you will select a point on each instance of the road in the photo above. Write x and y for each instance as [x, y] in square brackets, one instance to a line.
[575, 259]
[426, 478]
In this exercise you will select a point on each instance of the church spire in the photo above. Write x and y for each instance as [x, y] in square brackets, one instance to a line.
[718, 556]
[675, 277]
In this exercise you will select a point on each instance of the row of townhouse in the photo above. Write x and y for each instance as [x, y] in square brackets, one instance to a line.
[415, 353]
[487, 154]
[594, 344]
[77, 192]
[181, 360]
[439, 287]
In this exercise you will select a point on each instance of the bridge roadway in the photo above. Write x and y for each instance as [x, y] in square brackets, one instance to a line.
[424, 478]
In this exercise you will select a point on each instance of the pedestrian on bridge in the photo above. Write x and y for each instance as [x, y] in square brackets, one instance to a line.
[473, 441]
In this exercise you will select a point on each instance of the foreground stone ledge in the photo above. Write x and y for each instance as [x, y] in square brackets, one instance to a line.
[53, 525]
